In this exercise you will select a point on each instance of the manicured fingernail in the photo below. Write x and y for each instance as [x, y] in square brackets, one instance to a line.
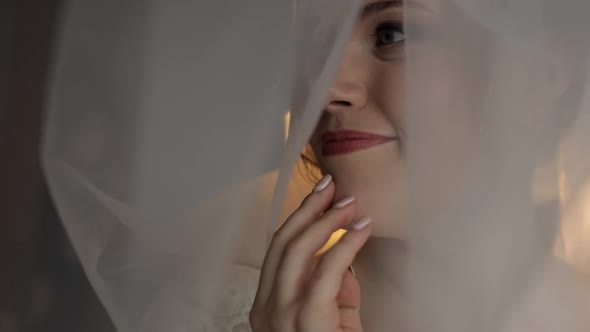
[323, 183]
[344, 202]
[361, 223]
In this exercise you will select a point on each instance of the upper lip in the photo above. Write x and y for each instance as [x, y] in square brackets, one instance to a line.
[347, 134]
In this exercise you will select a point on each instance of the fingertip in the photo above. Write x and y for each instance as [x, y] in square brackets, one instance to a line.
[323, 196]
[344, 202]
[361, 224]
[358, 231]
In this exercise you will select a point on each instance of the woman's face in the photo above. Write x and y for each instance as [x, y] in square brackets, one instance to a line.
[360, 137]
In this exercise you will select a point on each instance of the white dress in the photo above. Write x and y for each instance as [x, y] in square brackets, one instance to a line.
[544, 305]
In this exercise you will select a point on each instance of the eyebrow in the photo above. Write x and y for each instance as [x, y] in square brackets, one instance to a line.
[381, 5]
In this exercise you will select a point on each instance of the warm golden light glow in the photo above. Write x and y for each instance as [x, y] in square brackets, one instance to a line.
[572, 243]
[287, 121]
[334, 238]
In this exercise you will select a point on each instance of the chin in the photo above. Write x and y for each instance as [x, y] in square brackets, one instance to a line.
[377, 179]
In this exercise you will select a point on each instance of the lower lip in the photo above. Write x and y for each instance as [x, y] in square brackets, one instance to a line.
[347, 146]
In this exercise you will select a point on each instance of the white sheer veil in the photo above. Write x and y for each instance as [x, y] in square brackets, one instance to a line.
[166, 156]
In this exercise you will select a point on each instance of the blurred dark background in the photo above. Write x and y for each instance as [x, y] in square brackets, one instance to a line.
[42, 285]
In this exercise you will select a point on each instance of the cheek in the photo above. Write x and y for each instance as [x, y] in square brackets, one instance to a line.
[380, 189]
[440, 126]
[388, 91]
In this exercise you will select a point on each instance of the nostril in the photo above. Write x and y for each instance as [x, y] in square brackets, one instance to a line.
[341, 103]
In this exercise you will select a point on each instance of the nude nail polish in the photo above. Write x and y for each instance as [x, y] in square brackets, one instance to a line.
[361, 223]
[323, 183]
[344, 202]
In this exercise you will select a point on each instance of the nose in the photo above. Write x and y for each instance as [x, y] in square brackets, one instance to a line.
[348, 91]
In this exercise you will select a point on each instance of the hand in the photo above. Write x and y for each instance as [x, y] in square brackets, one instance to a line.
[296, 295]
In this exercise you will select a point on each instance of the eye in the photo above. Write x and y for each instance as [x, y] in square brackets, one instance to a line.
[390, 33]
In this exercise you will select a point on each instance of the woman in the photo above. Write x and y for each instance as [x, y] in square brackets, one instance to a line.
[362, 125]
[443, 152]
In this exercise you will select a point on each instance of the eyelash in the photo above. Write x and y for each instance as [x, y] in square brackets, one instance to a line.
[398, 27]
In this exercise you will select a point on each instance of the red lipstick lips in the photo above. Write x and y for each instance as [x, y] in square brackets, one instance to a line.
[347, 141]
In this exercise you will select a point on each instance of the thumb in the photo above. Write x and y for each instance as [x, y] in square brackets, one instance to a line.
[349, 303]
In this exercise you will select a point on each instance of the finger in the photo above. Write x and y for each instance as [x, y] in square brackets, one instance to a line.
[349, 295]
[328, 275]
[310, 209]
[296, 263]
